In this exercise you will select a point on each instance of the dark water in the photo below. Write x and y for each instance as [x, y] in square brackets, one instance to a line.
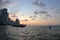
[29, 33]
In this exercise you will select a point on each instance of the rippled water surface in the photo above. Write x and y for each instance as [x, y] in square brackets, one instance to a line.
[29, 33]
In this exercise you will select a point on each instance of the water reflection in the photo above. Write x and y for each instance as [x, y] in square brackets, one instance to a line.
[3, 33]
[29, 33]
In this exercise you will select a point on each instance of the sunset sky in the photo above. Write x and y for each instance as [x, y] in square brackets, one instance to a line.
[33, 12]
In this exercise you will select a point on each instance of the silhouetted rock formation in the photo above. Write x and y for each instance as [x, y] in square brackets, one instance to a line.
[17, 21]
[3, 16]
[5, 20]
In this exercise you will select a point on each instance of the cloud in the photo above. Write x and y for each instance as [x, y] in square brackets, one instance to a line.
[38, 3]
[33, 18]
[57, 11]
[4, 3]
[43, 12]
[35, 12]
[22, 14]
[42, 4]
[30, 16]
[47, 11]
[48, 15]
[25, 20]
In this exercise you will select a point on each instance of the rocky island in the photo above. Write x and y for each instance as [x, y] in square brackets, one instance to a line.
[5, 20]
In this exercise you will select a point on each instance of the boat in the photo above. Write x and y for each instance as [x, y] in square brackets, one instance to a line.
[21, 25]
[3, 24]
[50, 27]
[14, 25]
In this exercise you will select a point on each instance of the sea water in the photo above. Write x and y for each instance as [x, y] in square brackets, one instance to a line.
[29, 33]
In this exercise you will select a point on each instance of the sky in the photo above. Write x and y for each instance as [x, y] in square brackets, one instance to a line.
[33, 12]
